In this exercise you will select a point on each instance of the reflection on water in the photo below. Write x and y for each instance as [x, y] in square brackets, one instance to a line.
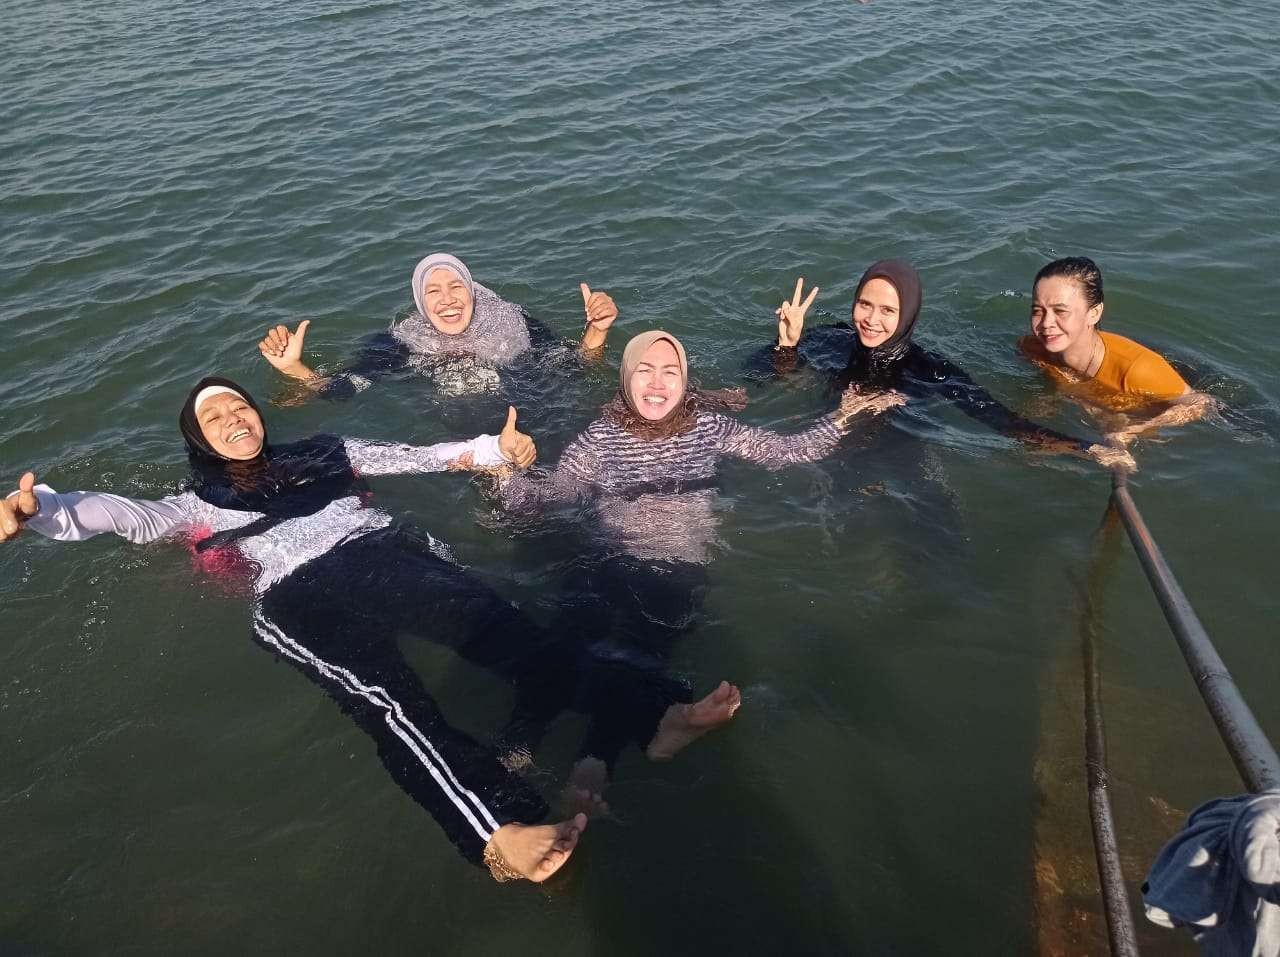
[902, 616]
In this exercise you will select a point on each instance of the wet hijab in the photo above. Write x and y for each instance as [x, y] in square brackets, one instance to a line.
[883, 360]
[282, 482]
[497, 333]
[625, 412]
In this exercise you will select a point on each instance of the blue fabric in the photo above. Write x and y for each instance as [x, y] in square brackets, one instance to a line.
[1220, 876]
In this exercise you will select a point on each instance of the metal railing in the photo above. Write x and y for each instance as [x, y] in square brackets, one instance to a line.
[1254, 757]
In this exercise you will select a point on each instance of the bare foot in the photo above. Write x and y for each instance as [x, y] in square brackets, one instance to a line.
[682, 724]
[533, 852]
[584, 794]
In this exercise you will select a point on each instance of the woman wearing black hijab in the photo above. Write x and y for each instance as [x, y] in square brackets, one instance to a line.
[875, 351]
[334, 584]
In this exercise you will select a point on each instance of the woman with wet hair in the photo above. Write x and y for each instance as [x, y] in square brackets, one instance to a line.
[335, 583]
[646, 470]
[875, 350]
[463, 337]
[1102, 368]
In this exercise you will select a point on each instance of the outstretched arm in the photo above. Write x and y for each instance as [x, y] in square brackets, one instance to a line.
[510, 447]
[76, 516]
[980, 405]
[775, 450]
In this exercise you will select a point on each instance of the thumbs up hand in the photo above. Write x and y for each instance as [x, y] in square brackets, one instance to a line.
[516, 447]
[18, 507]
[600, 308]
[601, 311]
[283, 349]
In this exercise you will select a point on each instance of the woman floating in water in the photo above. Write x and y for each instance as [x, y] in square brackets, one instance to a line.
[647, 468]
[1102, 368]
[334, 584]
[462, 335]
[875, 351]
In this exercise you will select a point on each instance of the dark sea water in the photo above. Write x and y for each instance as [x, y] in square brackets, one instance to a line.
[176, 177]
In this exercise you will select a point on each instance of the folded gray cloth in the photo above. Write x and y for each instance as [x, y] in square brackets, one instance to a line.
[1220, 876]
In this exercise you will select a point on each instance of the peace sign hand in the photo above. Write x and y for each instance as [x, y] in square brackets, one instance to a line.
[516, 447]
[791, 315]
[18, 507]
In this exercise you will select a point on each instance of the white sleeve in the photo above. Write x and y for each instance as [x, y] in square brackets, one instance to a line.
[75, 516]
[391, 458]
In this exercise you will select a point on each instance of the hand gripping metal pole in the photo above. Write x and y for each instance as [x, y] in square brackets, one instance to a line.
[1254, 757]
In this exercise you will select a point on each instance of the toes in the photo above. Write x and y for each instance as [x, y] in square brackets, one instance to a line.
[548, 865]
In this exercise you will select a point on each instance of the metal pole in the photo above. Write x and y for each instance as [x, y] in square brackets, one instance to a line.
[1254, 757]
[1115, 899]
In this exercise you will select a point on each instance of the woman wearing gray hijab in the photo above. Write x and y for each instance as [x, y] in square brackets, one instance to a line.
[462, 336]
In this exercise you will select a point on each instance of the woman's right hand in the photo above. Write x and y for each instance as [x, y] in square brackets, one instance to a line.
[791, 315]
[853, 402]
[1112, 457]
[516, 447]
[18, 507]
[283, 349]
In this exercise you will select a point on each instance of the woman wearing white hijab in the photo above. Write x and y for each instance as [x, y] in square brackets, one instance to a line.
[461, 336]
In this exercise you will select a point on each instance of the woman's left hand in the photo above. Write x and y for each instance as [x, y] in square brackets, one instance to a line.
[516, 447]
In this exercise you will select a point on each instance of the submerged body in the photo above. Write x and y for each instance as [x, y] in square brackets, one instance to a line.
[646, 471]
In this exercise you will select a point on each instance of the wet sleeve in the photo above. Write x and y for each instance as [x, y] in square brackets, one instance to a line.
[541, 338]
[574, 479]
[393, 458]
[980, 405]
[1153, 377]
[76, 516]
[774, 449]
[378, 356]
[771, 362]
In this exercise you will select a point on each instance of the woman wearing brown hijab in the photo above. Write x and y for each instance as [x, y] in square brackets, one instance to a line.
[647, 469]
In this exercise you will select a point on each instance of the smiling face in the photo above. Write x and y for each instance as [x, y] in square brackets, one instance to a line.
[231, 426]
[657, 385]
[1061, 315]
[876, 312]
[448, 301]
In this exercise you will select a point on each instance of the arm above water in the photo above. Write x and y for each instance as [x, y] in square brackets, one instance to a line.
[76, 516]
[510, 447]
[601, 312]
[775, 450]
[378, 355]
